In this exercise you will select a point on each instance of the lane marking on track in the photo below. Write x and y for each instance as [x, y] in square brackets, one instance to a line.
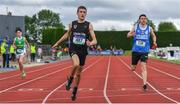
[34, 79]
[85, 97]
[17, 75]
[156, 69]
[131, 89]
[46, 98]
[30, 89]
[106, 81]
[85, 89]
[148, 83]
[173, 89]
[61, 63]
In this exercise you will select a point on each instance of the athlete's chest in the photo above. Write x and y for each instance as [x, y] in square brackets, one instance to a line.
[142, 34]
[80, 28]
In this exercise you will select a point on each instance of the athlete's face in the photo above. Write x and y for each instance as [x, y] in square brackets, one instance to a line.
[82, 14]
[19, 33]
[143, 20]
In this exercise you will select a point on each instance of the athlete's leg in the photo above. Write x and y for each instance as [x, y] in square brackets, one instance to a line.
[135, 59]
[4, 60]
[7, 60]
[78, 76]
[144, 72]
[75, 60]
[20, 62]
[144, 58]
[79, 69]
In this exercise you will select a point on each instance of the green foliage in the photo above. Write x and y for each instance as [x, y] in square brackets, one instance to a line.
[50, 36]
[43, 19]
[166, 26]
[114, 38]
[29, 25]
[49, 19]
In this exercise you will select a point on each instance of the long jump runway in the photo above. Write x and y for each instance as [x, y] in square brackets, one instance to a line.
[105, 79]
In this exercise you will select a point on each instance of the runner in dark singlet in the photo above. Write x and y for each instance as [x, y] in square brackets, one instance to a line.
[79, 32]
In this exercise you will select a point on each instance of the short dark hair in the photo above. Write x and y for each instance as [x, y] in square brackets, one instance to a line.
[142, 15]
[81, 7]
[18, 29]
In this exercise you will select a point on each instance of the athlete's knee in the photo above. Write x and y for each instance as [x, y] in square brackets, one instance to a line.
[144, 69]
[143, 66]
[76, 65]
[79, 70]
[20, 61]
[78, 74]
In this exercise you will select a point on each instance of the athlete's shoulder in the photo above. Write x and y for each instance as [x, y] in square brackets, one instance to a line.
[15, 38]
[74, 22]
[87, 22]
[135, 26]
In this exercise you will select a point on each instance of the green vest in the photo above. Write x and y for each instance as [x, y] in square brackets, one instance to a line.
[20, 43]
[3, 49]
[33, 49]
[11, 49]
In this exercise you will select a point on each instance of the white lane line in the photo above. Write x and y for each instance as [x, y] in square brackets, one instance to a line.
[33, 71]
[84, 97]
[106, 81]
[149, 83]
[34, 79]
[60, 64]
[156, 69]
[46, 98]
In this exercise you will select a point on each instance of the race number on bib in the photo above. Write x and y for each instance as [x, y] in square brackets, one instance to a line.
[79, 39]
[140, 43]
[19, 51]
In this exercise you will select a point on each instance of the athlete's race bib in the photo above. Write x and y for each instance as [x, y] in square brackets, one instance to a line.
[79, 39]
[19, 51]
[140, 43]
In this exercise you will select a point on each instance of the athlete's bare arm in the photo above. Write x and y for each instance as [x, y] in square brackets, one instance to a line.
[64, 37]
[93, 36]
[14, 44]
[131, 33]
[153, 36]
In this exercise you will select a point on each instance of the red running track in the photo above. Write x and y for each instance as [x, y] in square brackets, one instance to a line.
[105, 79]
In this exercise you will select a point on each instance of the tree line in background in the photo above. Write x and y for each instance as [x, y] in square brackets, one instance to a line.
[117, 39]
[44, 19]
[47, 19]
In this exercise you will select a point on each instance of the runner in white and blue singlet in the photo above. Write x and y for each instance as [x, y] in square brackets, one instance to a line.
[141, 33]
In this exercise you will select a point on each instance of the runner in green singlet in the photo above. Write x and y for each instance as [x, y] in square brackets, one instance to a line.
[19, 44]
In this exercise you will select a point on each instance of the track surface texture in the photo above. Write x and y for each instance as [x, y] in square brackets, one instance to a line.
[105, 79]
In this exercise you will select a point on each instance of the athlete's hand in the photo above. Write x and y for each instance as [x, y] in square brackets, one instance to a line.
[88, 43]
[154, 46]
[54, 46]
[15, 47]
[130, 34]
[133, 34]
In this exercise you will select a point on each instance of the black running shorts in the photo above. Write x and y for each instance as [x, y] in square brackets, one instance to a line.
[136, 56]
[82, 57]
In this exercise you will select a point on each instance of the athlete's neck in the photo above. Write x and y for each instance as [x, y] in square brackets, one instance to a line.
[19, 37]
[80, 21]
[143, 25]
